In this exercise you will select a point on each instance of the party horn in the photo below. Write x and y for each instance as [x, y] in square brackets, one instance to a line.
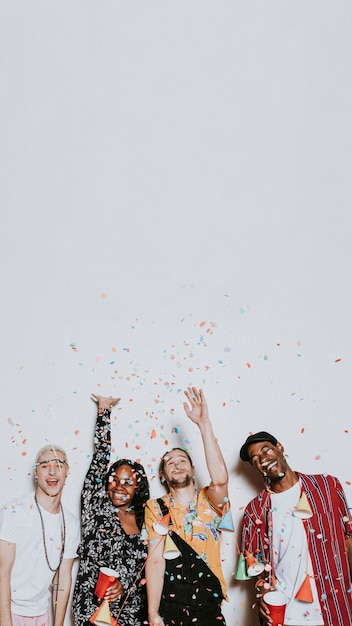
[102, 616]
[171, 550]
[304, 593]
[303, 510]
[226, 522]
[254, 567]
[241, 570]
[161, 526]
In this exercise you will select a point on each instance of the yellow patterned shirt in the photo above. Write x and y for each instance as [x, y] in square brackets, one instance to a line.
[196, 524]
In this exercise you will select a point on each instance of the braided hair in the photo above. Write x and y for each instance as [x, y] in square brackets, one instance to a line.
[142, 493]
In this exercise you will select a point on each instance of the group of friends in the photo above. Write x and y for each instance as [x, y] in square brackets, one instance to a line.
[166, 553]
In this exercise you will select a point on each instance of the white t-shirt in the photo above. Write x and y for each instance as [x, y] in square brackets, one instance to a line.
[31, 577]
[292, 561]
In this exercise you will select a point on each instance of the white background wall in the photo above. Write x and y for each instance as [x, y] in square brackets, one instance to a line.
[176, 209]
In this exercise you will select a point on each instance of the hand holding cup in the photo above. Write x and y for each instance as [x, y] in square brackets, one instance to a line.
[108, 586]
[276, 605]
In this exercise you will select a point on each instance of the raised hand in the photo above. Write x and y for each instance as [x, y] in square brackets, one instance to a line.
[105, 403]
[198, 411]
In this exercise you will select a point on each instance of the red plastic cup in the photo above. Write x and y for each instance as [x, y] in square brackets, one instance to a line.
[105, 580]
[276, 602]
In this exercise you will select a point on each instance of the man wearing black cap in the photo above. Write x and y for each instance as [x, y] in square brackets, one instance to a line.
[298, 532]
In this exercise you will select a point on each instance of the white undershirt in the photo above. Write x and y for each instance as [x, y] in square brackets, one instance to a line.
[292, 561]
[30, 576]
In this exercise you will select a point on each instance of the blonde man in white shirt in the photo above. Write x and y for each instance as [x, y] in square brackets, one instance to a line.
[38, 544]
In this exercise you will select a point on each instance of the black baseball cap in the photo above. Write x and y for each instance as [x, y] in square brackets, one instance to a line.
[261, 436]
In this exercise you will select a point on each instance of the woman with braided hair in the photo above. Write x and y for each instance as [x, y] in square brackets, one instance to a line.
[112, 513]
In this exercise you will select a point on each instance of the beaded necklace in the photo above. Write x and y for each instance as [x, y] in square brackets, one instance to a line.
[63, 535]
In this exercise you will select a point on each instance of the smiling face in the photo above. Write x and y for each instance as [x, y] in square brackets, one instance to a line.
[51, 471]
[122, 486]
[177, 470]
[269, 460]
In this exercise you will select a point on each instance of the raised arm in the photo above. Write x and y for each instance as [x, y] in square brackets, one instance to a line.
[198, 413]
[94, 480]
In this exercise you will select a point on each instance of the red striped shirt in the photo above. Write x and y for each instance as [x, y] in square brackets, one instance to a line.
[327, 530]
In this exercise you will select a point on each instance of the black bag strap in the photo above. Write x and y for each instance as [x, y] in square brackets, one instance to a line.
[191, 559]
[163, 508]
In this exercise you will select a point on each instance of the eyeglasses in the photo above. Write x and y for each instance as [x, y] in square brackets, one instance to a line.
[122, 481]
[59, 463]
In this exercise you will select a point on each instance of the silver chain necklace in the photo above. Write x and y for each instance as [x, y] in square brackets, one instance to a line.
[63, 535]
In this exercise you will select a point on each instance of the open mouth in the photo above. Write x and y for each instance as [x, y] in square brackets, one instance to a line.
[117, 495]
[267, 466]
